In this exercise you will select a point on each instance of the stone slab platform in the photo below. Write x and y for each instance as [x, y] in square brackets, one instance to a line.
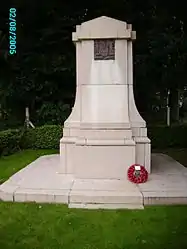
[40, 182]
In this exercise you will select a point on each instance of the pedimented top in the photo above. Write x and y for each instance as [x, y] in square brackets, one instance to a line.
[103, 28]
[104, 21]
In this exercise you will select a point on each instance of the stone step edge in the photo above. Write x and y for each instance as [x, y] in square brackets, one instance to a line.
[105, 206]
[147, 200]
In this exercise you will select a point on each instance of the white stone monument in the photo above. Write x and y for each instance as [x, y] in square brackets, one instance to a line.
[105, 134]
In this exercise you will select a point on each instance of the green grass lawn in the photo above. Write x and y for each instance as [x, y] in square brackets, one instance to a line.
[11, 164]
[47, 226]
[34, 226]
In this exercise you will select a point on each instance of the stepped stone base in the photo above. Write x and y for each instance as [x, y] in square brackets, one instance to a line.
[41, 182]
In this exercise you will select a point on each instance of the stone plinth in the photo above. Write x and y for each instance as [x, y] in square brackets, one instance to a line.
[166, 185]
[105, 133]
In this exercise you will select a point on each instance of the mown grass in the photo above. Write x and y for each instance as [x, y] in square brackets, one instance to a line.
[35, 226]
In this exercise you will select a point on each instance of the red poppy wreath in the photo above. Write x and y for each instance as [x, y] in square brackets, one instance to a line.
[137, 173]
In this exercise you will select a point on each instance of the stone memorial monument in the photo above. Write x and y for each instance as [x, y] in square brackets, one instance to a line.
[104, 134]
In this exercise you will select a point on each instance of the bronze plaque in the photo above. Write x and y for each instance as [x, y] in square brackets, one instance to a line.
[104, 49]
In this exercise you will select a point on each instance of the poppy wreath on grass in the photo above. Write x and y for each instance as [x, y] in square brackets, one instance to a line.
[137, 173]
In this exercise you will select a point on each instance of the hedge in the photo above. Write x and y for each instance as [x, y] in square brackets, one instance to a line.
[9, 141]
[48, 137]
[43, 137]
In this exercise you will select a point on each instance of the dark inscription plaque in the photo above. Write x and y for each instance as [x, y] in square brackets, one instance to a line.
[104, 49]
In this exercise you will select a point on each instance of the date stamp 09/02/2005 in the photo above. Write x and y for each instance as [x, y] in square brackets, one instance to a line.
[12, 31]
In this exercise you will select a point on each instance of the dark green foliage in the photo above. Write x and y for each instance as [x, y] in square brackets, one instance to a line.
[9, 141]
[10, 124]
[168, 137]
[43, 137]
[44, 69]
[50, 113]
